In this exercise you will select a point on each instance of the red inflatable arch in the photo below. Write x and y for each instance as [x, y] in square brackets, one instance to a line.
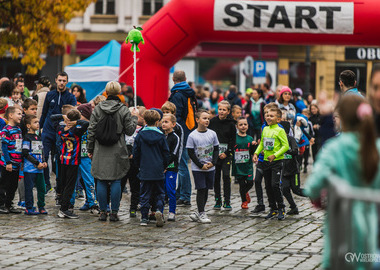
[181, 24]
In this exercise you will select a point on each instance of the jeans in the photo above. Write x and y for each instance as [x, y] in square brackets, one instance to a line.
[31, 179]
[101, 190]
[184, 181]
[88, 181]
[170, 184]
[149, 188]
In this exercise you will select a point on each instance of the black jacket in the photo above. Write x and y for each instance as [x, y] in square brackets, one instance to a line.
[291, 166]
[226, 132]
[174, 144]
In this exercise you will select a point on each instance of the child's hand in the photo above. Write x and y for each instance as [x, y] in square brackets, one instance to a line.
[312, 141]
[40, 166]
[298, 124]
[271, 158]
[45, 164]
[255, 159]
[222, 156]
[8, 167]
[254, 143]
[210, 165]
[90, 155]
[205, 167]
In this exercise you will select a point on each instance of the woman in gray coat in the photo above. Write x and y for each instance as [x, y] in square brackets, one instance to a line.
[110, 162]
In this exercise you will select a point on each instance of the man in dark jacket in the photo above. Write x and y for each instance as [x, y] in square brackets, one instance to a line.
[54, 101]
[232, 97]
[180, 94]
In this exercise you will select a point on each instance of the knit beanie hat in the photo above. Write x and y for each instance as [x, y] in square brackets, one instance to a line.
[85, 110]
[285, 89]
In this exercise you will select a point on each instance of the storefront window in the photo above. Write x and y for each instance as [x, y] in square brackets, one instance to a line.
[297, 76]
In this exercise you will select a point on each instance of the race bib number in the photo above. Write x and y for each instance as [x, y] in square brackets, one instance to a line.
[84, 152]
[205, 152]
[37, 147]
[222, 148]
[268, 144]
[242, 157]
[287, 156]
[18, 145]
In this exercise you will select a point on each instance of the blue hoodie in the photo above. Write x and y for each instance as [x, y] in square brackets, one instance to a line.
[151, 154]
[179, 95]
[53, 105]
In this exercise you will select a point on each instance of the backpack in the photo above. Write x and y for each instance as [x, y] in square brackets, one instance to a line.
[106, 130]
[192, 106]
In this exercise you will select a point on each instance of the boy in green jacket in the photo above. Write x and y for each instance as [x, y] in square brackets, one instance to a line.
[274, 143]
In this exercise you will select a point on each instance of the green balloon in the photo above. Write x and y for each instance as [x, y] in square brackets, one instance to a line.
[135, 38]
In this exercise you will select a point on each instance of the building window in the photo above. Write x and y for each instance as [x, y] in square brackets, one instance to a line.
[105, 7]
[150, 7]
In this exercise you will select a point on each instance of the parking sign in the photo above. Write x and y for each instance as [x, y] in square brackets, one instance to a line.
[259, 69]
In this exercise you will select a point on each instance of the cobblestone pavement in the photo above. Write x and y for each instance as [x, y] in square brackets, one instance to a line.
[234, 240]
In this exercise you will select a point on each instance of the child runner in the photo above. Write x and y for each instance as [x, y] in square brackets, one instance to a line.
[224, 126]
[357, 164]
[242, 166]
[203, 148]
[34, 164]
[260, 207]
[11, 159]
[274, 143]
[3, 108]
[291, 171]
[151, 154]
[134, 181]
[29, 108]
[168, 124]
[84, 173]
[71, 135]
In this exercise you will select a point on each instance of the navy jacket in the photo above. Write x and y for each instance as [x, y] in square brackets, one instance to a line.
[53, 105]
[233, 99]
[151, 154]
[179, 96]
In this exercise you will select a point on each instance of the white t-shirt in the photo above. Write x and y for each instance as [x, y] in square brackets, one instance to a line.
[203, 143]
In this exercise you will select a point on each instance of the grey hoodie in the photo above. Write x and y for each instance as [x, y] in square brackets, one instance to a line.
[110, 162]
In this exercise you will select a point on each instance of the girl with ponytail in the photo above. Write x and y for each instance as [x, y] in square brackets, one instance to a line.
[354, 157]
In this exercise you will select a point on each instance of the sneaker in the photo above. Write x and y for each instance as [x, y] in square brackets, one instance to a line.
[114, 216]
[14, 210]
[21, 204]
[186, 203]
[42, 211]
[259, 208]
[95, 210]
[203, 218]
[4, 210]
[85, 207]
[152, 216]
[144, 222]
[171, 216]
[132, 213]
[179, 202]
[159, 219]
[293, 211]
[67, 214]
[281, 214]
[194, 216]
[272, 213]
[227, 206]
[31, 212]
[244, 205]
[103, 216]
[248, 198]
[218, 204]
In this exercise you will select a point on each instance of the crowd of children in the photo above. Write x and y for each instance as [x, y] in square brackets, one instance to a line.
[235, 138]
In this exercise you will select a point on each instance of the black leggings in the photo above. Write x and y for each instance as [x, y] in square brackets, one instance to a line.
[245, 185]
[223, 165]
[202, 195]
[291, 183]
[258, 183]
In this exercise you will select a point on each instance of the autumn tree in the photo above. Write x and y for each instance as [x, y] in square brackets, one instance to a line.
[29, 28]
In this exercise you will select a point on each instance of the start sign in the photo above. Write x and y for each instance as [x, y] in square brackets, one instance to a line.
[289, 16]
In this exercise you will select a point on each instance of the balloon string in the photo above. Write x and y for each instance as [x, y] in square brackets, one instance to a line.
[134, 74]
